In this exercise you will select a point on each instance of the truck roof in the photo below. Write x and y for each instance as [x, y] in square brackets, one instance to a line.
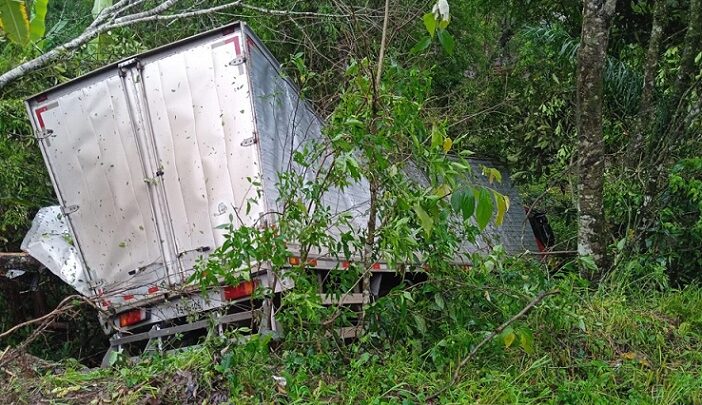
[224, 29]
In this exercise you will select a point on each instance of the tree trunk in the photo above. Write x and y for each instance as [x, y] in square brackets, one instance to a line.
[670, 133]
[597, 15]
[646, 116]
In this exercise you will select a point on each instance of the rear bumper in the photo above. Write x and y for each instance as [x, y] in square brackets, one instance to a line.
[192, 303]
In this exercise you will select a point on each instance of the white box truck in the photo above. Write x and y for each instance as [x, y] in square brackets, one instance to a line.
[148, 156]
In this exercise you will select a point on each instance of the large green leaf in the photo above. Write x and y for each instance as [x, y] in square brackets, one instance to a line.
[422, 45]
[37, 26]
[14, 21]
[508, 336]
[425, 220]
[526, 340]
[483, 212]
[468, 204]
[463, 201]
[447, 42]
[430, 23]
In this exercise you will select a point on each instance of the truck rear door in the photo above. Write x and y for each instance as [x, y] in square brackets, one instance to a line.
[92, 152]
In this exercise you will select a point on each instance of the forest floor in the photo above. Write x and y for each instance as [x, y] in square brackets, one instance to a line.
[605, 346]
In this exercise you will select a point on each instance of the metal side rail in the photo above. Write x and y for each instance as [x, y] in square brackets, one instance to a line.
[158, 333]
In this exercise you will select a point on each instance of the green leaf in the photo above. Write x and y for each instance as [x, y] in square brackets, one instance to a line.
[99, 5]
[508, 336]
[437, 137]
[439, 300]
[483, 212]
[37, 26]
[468, 204]
[422, 45]
[502, 207]
[457, 198]
[447, 42]
[526, 340]
[421, 323]
[588, 262]
[492, 174]
[442, 190]
[463, 200]
[443, 24]
[425, 220]
[430, 23]
[14, 21]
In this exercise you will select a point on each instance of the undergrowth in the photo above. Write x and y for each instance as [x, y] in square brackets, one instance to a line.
[587, 346]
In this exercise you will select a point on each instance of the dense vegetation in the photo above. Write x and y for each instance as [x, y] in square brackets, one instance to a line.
[496, 79]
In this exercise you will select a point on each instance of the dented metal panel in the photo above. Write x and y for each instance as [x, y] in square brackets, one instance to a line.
[200, 116]
[94, 161]
[285, 123]
[50, 242]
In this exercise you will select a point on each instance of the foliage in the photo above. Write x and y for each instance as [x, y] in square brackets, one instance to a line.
[15, 21]
[500, 83]
[24, 186]
[588, 347]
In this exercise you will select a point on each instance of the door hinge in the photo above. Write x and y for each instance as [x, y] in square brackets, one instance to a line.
[249, 141]
[44, 133]
[69, 209]
[237, 61]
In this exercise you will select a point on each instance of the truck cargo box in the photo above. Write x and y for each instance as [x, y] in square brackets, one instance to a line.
[148, 156]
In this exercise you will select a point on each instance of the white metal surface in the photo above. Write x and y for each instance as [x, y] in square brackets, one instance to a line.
[50, 242]
[148, 158]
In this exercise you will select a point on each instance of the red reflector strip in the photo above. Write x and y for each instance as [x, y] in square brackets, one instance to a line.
[375, 266]
[128, 297]
[132, 317]
[152, 289]
[240, 290]
[345, 265]
[237, 45]
[39, 112]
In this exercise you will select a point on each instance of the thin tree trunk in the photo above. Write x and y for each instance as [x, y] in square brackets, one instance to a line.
[670, 132]
[693, 41]
[597, 15]
[646, 115]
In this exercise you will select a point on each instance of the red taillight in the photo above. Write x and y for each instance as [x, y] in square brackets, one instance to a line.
[132, 317]
[240, 290]
[295, 261]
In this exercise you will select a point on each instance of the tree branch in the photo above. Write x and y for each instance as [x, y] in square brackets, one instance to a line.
[108, 19]
[457, 374]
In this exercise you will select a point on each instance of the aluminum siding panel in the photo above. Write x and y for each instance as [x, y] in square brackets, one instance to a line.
[285, 123]
[201, 117]
[92, 163]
